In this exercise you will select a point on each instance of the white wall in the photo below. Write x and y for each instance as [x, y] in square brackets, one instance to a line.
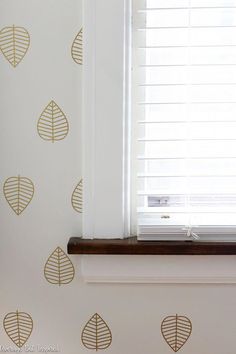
[133, 312]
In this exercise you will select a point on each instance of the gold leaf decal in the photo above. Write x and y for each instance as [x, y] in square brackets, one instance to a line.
[18, 192]
[77, 48]
[176, 330]
[77, 197]
[96, 334]
[52, 124]
[14, 44]
[59, 269]
[18, 326]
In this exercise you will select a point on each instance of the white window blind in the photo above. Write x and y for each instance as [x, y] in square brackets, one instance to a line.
[184, 74]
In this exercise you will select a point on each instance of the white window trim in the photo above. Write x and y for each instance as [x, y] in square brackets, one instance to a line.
[158, 269]
[105, 205]
[105, 119]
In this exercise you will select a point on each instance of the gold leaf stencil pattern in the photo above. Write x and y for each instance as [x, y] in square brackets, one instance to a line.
[59, 269]
[18, 192]
[77, 48]
[52, 124]
[96, 334]
[77, 197]
[176, 330]
[14, 44]
[18, 326]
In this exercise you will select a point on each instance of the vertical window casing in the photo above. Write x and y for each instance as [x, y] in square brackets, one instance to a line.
[105, 176]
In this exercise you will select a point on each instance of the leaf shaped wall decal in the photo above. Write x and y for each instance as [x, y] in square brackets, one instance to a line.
[14, 44]
[18, 326]
[96, 334]
[59, 269]
[77, 48]
[77, 197]
[18, 192]
[52, 124]
[176, 330]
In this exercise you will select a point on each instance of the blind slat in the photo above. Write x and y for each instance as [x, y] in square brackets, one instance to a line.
[184, 8]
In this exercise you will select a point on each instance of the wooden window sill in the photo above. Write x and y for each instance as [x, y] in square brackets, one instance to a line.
[131, 246]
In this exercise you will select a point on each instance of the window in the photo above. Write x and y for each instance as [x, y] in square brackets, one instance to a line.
[183, 110]
[184, 95]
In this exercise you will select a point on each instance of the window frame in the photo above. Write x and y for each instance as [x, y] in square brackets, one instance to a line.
[107, 191]
[105, 119]
[154, 269]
